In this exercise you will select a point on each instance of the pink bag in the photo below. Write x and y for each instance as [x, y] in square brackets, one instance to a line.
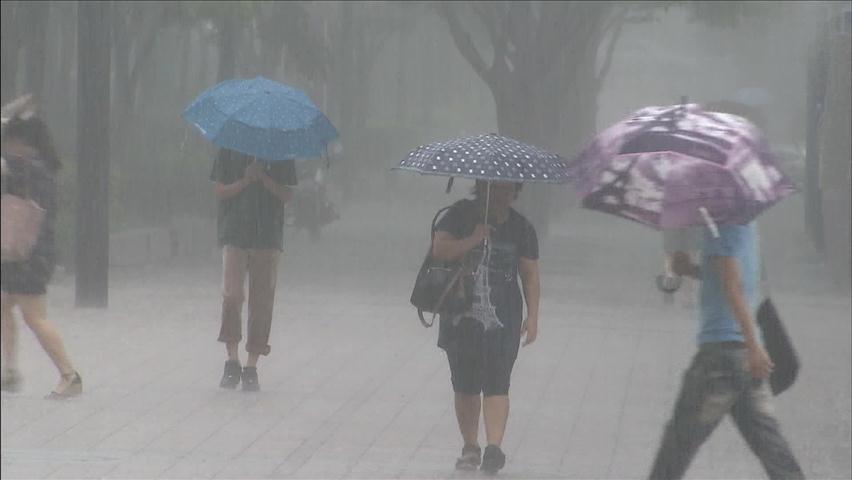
[21, 224]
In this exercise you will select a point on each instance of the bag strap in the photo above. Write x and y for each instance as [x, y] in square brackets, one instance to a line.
[423, 320]
[455, 278]
[438, 214]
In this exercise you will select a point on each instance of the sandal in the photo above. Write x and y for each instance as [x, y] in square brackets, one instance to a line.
[73, 388]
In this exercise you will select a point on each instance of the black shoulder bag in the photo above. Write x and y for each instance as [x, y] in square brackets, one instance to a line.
[441, 287]
[777, 342]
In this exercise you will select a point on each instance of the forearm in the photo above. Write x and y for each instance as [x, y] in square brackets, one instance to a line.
[225, 192]
[532, 294]
[281, 192]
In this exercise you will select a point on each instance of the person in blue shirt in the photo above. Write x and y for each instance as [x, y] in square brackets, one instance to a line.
[730, 371]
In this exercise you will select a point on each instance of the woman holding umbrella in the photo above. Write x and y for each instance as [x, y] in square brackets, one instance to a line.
[488, 234]
[481, 361]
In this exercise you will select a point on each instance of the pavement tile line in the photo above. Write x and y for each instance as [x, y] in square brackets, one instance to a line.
[586, 386]
[621, 410]
[304, 397]
[591, 301]
[14, 455]
[279, 384]
[432, 377]
[354, 402]
[549, 385]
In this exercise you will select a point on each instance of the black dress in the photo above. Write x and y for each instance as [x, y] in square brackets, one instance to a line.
[30, 176]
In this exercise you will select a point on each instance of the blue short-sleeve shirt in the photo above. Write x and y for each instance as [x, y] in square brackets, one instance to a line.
[718, 323]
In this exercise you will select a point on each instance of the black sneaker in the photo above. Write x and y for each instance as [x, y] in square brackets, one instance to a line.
[470, 457]
[492, 460]
[250, 383]
[231, 376]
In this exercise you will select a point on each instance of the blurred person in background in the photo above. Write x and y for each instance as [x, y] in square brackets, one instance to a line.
[250, 224]
[30, 168]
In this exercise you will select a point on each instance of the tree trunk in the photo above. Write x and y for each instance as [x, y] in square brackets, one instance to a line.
[122, 91]
[556, 111]
[528, 110]
[10, 45]
[343, 87]
[815, 99]
[35, 36]
[67, 14]
[93, 94]
[228, 36]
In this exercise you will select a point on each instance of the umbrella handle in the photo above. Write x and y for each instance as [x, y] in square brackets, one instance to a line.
[486, 249]
[709, 221]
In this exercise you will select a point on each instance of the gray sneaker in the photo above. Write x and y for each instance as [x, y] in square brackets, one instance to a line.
[493, 460]
[231, 375]
[470, 458]
[249, 377]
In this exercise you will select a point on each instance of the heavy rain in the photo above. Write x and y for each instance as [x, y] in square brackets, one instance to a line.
[223, 255]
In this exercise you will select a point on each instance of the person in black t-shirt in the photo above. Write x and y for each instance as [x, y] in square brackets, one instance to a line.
[251, 195]
[481, 361]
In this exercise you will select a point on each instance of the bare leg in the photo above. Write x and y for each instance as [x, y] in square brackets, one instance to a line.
[252, 359]
[467, 414]
[233, 351]
[234, 265]
[9, 332]
[496, 413]
[35, 316]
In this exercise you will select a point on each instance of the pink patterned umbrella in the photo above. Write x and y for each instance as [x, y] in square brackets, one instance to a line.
[679, 166]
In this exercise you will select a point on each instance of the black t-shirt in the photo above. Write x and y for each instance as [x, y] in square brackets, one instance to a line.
[509, 241]
[254, 218]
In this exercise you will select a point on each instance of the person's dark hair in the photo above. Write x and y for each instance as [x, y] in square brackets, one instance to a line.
[33, 132]
[479, 189]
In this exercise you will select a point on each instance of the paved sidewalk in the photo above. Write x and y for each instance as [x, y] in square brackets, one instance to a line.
[356, 388]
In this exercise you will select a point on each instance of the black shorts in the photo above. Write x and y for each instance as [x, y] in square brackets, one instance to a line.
[480, 362]
[25, 278]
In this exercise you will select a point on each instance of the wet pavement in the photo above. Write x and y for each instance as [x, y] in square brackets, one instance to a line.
[355, 388]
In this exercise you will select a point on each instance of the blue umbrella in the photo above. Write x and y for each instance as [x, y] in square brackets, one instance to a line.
[262, 118]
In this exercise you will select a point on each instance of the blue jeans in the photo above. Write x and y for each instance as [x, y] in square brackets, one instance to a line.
[717, 383]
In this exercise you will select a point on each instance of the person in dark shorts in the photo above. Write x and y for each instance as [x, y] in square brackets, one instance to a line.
[250, 224]
[481, 361]
[31, 164]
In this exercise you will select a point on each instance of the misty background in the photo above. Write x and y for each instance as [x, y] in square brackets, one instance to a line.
[391, 76]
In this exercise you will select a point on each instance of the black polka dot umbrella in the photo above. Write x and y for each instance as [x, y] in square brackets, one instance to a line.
[487, 157]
